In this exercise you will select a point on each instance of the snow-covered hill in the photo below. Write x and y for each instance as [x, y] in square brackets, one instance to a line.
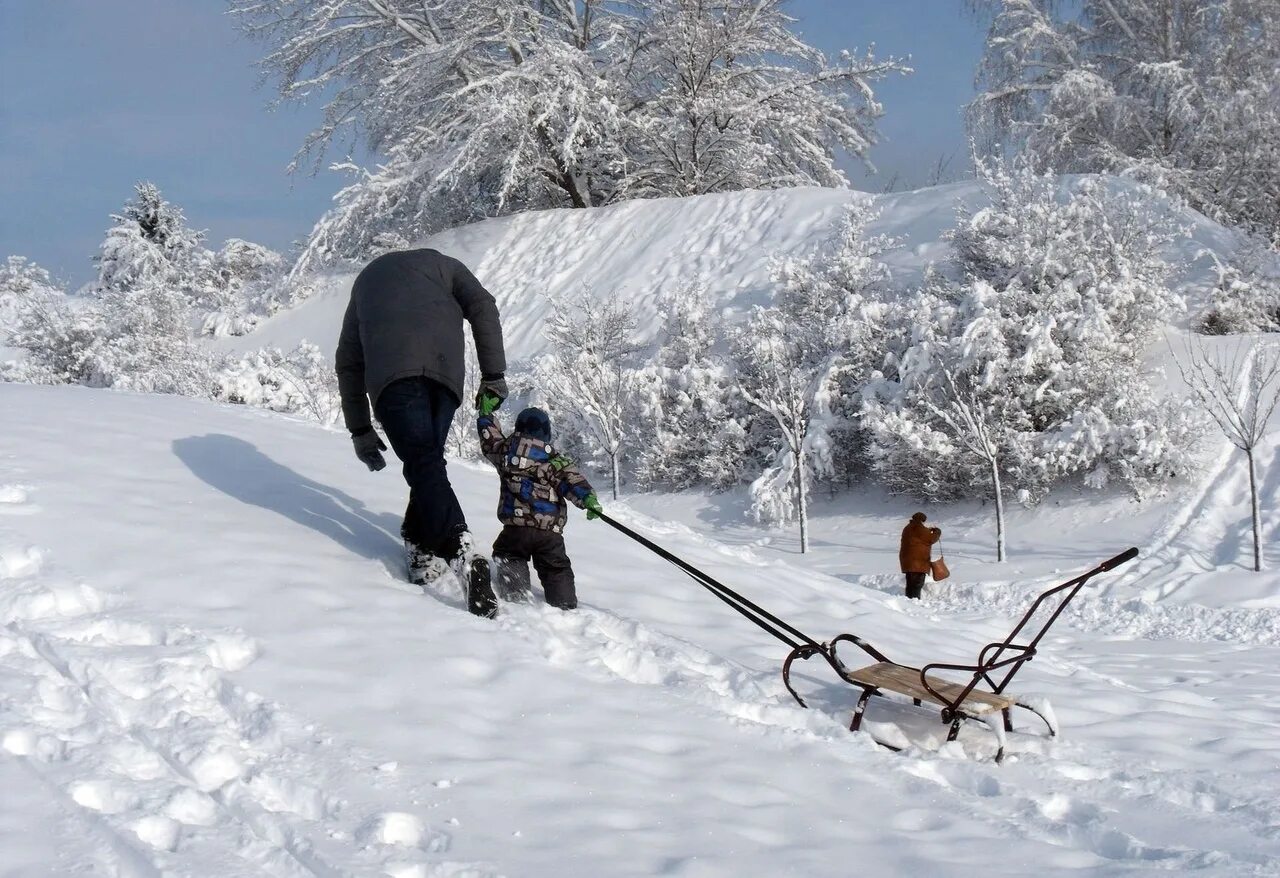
[642, 250]
[209, 666]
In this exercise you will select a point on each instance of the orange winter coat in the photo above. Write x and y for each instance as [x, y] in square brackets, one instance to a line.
[917, 542]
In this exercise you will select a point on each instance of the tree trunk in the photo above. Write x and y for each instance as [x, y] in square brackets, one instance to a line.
[1257, 517]
[572, 185]
[804, 501]
[995, 486]
[613, 466]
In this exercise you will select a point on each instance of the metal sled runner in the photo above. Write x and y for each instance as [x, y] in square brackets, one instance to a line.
[978, 697]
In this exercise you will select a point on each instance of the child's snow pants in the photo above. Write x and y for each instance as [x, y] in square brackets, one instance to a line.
[512, 551]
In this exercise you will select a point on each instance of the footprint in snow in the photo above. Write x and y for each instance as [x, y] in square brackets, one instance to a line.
[401, 829]
[15, 500]
[17, 563]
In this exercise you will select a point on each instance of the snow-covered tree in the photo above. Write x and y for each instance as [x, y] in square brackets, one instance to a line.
[731, 98]
[1181, 93]
[151, 243]
[694, 430]
[589, 374]
[478, 107]
[779, 370]
[842, 293]
[1239, 389]
[153, 271]
[20, 281]
[802, 362]
[976, 425]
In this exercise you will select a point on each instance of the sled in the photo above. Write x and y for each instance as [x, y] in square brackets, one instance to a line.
[980, 696]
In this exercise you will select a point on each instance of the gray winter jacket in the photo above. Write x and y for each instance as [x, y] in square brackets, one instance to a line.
[404, 320]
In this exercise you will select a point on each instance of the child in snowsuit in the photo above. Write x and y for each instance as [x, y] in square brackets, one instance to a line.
[535, 481]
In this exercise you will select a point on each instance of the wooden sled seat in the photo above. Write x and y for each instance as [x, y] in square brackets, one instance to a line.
[907, 681]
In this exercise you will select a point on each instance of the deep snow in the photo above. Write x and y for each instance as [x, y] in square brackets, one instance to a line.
[209, 666]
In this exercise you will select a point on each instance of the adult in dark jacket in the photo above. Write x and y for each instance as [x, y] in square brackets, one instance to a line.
[401, 350]
[913, 552]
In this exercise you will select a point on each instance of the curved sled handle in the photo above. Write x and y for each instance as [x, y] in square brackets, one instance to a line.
[1126, 555]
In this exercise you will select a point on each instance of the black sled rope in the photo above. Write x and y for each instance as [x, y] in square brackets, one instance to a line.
[760, 616]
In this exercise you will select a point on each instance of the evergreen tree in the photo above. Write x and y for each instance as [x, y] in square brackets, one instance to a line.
[152, 269]
[151, 243]
[695, 432]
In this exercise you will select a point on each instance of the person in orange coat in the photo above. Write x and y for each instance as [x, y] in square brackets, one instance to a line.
[913, 554]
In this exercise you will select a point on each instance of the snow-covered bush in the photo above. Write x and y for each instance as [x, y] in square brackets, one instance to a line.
[1246, 292]
[58, 335]
[148, 345]
[244, 278]
[694, 421]
[301, 381]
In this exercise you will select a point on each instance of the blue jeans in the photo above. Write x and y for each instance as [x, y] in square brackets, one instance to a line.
[416, 413]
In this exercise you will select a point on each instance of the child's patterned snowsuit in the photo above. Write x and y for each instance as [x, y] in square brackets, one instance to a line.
[535, 481]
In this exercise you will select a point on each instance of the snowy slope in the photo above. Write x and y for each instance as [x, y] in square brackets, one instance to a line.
[641, 250]
[208, 666]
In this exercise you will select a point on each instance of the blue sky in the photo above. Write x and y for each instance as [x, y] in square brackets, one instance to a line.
[96, 95]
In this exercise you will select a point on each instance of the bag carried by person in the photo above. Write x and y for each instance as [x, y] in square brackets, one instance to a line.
[938, 569]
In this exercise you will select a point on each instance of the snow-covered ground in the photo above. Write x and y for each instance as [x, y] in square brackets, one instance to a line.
[209, 665]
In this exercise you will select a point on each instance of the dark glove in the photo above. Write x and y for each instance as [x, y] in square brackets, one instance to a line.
[369, 448]
[592, 503]
[487, 402]
[495, 384]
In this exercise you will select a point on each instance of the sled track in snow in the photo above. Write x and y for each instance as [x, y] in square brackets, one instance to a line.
[1163, 570]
